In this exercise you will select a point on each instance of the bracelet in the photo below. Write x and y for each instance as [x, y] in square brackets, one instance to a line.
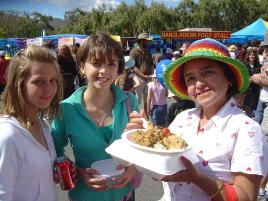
[220, 187]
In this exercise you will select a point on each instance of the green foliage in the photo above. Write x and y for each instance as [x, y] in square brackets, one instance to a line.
[186, 14]
[3, 33]
[129, 20]
[22, 25]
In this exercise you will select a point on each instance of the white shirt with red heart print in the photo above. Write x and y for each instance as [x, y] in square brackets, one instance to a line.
[229, 142]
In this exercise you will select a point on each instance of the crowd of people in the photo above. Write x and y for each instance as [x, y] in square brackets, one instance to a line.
[81, 96]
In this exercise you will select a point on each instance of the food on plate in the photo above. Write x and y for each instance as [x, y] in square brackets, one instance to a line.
[158, 138]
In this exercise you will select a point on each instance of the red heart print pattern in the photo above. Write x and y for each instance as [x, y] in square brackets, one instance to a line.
[234, 135]
[251, 134]
[229, 156]
[205, 163]
[201, 152]
[246, 122]
[249, 169]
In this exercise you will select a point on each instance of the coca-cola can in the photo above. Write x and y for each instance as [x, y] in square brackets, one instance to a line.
[64, 166]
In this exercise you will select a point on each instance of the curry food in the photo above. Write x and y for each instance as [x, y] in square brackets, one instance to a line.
[158, 138]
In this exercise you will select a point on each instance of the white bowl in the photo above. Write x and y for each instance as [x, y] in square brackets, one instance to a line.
[126, 136]
[107, 169]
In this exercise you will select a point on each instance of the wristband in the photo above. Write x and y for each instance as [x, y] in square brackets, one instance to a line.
[230, 193]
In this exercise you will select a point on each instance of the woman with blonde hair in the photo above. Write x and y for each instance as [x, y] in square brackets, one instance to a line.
[27, 153]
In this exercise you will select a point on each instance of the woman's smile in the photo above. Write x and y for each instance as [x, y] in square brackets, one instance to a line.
[203, 92]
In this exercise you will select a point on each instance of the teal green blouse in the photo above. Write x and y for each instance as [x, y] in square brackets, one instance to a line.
[88, 142]
[106, 133]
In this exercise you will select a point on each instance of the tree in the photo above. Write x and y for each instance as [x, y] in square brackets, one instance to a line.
[3, 33]
[42, 21]
[263, 9]
[157, 18]
[186, 14]
[129, 20]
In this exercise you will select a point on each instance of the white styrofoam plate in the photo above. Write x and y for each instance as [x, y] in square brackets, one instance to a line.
[107, 167]
[156, 165]
[125, 136]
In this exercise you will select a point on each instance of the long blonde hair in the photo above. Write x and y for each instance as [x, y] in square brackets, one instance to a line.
[14, 103]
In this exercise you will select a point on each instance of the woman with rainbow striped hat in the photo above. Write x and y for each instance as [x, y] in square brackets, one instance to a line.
[230, 145]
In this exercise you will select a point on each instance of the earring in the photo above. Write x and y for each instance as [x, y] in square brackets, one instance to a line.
[82, 73]
[230, 85]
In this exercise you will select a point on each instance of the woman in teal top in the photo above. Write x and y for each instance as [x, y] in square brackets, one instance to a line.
[93, 117]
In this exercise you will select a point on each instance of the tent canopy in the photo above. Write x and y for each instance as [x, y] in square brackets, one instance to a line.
[55, 37]
[253, 31]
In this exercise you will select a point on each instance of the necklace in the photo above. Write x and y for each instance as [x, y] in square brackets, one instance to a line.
[101, 123]
[30, 122]
[100, 119]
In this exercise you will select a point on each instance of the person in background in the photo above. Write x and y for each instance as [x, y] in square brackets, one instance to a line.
[80, 79]
[168, 54]
[230, 145]
[184, 47]
[144, 67]
[50, 45]
[77, 45]
[157, 56]
[253, 66]
[176, 55]
[177, 107]
[74, 50]
[241, 54]
[3, 69]
[157, 102]
[93, 117]
[263, 99]
[27, 153]
[232, 50]
[68, 70]
[262, 109]
[128, 80]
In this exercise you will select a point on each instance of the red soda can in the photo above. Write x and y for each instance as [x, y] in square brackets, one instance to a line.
[64, 168]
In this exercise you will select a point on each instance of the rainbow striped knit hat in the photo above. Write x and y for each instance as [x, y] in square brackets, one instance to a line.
[204, 48]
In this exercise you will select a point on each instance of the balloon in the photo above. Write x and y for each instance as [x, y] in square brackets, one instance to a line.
[160, 69]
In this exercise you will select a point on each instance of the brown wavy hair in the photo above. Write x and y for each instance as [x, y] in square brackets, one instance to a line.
[14, 103]
[101, 45]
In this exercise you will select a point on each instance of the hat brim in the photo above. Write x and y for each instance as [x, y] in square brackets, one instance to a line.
[172, 75]
[149, 38]
[129, 64]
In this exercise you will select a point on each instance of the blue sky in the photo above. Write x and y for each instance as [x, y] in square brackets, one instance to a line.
[56, 8]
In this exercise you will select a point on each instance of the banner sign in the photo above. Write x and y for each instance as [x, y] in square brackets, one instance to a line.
[34, 41]
[65, 41]
[79, 40]
[195, 34]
